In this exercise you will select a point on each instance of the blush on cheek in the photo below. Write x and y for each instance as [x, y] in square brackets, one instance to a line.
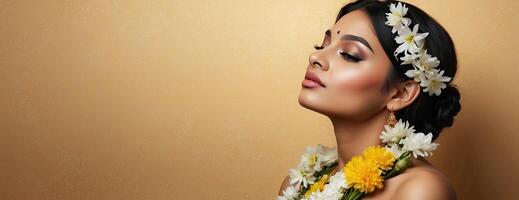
[359, 93]
[359, 81]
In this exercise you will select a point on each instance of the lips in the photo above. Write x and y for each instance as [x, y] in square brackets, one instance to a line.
[311, 76]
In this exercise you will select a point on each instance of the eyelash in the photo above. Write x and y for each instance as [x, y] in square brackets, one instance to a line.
[346, 56]
[318, 47]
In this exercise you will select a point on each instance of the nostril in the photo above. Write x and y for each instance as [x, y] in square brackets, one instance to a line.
[314, 63]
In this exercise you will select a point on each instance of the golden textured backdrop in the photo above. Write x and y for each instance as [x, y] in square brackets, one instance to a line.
[198, 99]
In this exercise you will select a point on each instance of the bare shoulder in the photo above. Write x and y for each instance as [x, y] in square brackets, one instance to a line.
[424, 182]
[284, 185]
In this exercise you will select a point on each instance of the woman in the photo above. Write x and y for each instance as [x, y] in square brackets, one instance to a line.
[364, 73]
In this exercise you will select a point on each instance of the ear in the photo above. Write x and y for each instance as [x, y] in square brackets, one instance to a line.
[402, 95]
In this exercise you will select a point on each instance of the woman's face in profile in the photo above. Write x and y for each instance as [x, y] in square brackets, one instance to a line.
[352, 67]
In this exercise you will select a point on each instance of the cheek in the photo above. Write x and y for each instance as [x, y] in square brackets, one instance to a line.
[357, 90]
[355, 80]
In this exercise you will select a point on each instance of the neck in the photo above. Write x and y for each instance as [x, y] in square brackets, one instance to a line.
[355, 136]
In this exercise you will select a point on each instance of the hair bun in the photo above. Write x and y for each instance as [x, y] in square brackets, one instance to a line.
[447, 106]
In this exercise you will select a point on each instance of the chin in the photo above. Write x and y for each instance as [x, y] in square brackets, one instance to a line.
[311, 101]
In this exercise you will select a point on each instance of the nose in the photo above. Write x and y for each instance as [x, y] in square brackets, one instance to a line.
[317, 59]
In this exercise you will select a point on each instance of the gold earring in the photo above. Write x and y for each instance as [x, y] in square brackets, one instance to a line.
[391, 121]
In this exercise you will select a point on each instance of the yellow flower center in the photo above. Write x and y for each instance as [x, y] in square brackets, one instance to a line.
[409, 39]
[435, 84]
[424, 65]
[317, 186]
[313, 160]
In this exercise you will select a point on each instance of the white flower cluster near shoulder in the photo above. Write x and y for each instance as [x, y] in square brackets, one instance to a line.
[333, 190]
[412, 45]
[290, 193]
[313, 160]
[402, 138]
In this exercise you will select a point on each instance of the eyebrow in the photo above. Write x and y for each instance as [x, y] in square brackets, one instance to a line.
[351, 37]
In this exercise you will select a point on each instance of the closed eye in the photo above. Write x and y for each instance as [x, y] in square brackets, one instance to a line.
[350, 57]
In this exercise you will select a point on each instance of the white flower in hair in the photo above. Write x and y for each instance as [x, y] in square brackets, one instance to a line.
[396, 18]
[416, 74]
[425, 61]
[423, 64]
[434, 82]
[392, 135]
[409, 40]
[409, 58]
[290, 193]
[412, 43]
[419, 143]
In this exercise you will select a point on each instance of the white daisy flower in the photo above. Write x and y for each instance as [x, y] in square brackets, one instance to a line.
[392, 135]
[339, 180]
[396, 18]
[416, 74]
[332, 190]
[420, 144]
[425, 61]
[326, 155]
[290, 193]
[409, 58]
[325, 195]
[395, 149]
[409, 40]
[434, 82]
[300, 176]
[310, 159]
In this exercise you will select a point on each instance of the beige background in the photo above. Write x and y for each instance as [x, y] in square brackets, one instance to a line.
[198, 99]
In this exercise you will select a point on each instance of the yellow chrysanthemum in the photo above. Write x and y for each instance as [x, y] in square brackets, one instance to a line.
[319, 185]
[381, 156]
[362, 174]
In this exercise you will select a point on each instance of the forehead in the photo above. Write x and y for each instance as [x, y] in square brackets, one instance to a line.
[356, 23]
